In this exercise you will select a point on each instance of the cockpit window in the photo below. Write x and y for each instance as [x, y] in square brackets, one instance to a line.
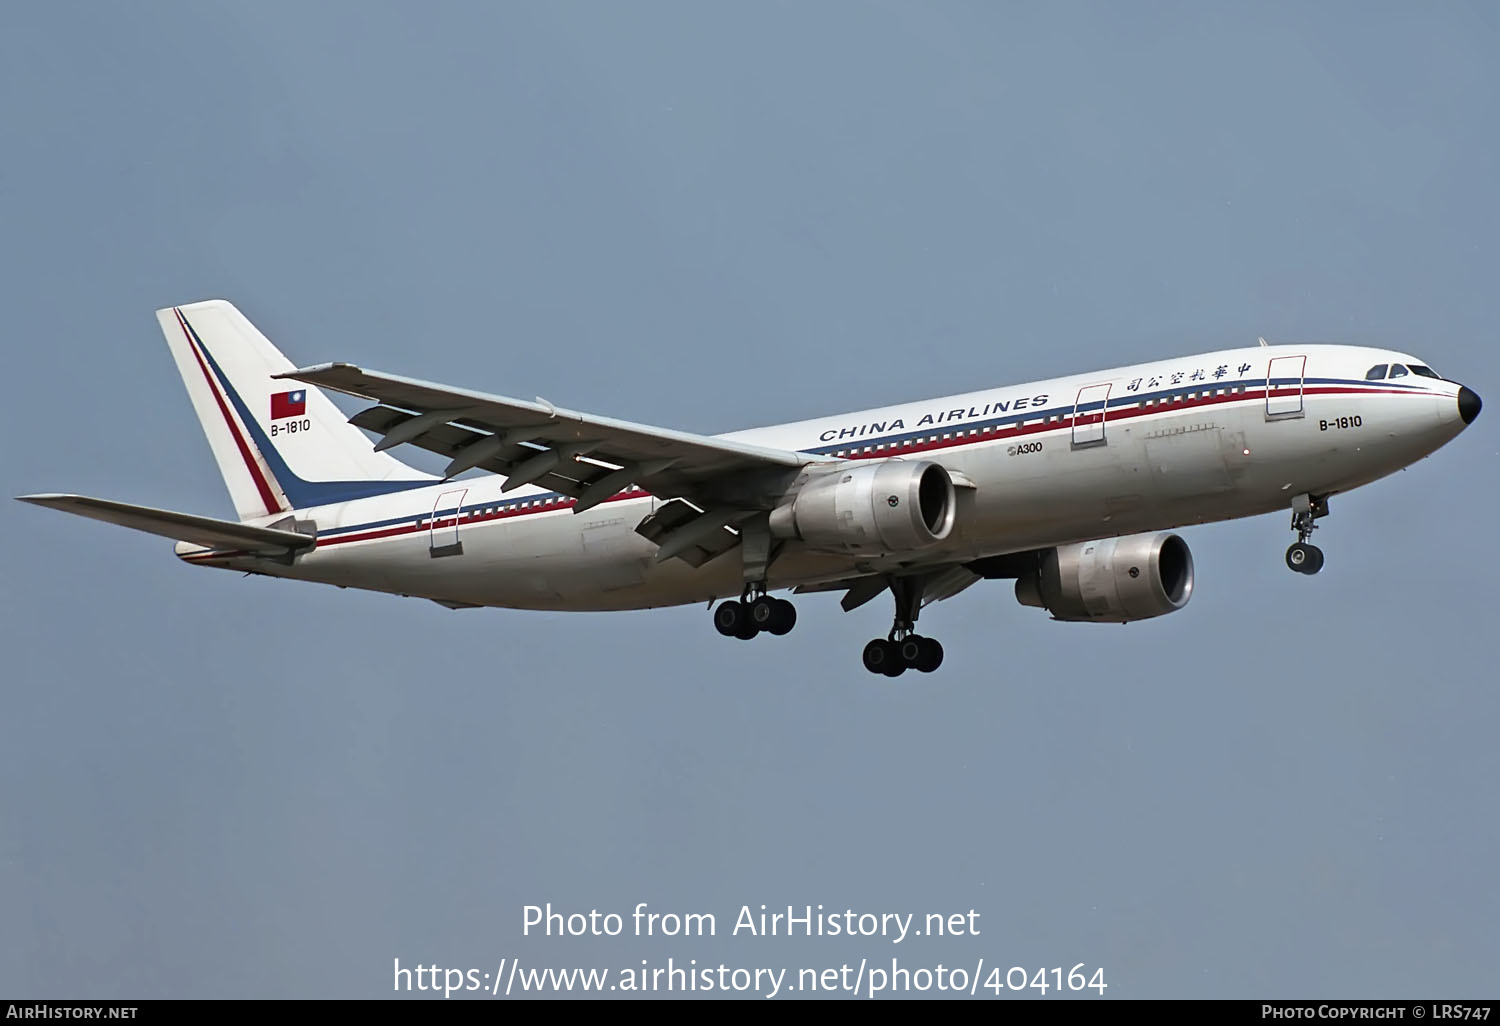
[1376, 373]
[1398, 371]
[1426, 372]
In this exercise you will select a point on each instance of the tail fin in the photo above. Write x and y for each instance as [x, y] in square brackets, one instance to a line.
[280, 445]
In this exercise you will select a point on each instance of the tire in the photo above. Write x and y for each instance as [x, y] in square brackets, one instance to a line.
[729, 617]
[785, 618]
[879, 655]
[1298, 556]
[931, 657]
[1314, 561]
[911, 650]
[763, 612]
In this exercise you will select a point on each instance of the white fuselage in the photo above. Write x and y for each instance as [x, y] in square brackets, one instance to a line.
[1150, 447]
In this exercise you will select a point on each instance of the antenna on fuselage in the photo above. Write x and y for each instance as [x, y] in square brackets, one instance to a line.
[1262, 342]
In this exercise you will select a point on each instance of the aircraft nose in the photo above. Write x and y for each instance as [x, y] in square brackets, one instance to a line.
[1469, 404]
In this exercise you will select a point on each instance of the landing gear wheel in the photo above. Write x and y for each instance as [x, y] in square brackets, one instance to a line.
[882, 656]
[773, 615]
[785, 618]
[729, 617]
[763, 612]
[1304, 558]
[921, 654]
[732, 619]
[931, 657]
[911, 649]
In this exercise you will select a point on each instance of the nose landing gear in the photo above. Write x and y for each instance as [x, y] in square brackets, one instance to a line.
[1303, 557]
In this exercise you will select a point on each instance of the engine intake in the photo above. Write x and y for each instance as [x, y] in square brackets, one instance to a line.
[876, 507]
[1115, 580]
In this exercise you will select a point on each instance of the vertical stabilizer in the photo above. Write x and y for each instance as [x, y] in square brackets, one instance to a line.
[281, 445]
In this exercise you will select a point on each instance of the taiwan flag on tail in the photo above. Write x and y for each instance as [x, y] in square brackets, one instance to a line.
[288, 404]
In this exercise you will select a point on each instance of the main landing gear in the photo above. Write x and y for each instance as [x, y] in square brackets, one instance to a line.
[1303, 557]
[903, 649]
[754, 612]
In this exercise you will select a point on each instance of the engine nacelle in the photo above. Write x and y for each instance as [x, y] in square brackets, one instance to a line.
[1115, 580]
[871, 507]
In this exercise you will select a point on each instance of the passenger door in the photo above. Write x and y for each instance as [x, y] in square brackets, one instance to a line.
[1284, 387]
[1089, 411]
[442, 532]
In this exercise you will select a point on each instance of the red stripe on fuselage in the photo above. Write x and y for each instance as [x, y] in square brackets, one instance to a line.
[427, 523]
[267, 495]
[960, 437]
[1066, 421]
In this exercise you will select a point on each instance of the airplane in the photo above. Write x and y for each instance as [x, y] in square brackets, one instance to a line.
[1071, 487]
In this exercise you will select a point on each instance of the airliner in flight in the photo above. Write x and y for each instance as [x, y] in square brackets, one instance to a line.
[1071, 487]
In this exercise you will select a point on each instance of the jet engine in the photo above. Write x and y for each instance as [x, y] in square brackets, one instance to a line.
[1115, 580]
[874, 507]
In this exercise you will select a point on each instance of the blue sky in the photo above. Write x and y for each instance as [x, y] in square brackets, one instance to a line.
[714, 216]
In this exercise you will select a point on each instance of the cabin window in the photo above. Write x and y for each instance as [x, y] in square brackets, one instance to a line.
[1398, 371]
[1376, 373]
[1426, 372]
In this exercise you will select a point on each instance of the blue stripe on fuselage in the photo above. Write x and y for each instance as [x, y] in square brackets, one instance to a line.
[1040, 414]
[1113, 401]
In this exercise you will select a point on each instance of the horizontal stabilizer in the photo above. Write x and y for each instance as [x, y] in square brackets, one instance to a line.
[207, 531]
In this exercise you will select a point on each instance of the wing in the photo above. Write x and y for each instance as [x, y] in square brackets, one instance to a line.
[586, 457]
